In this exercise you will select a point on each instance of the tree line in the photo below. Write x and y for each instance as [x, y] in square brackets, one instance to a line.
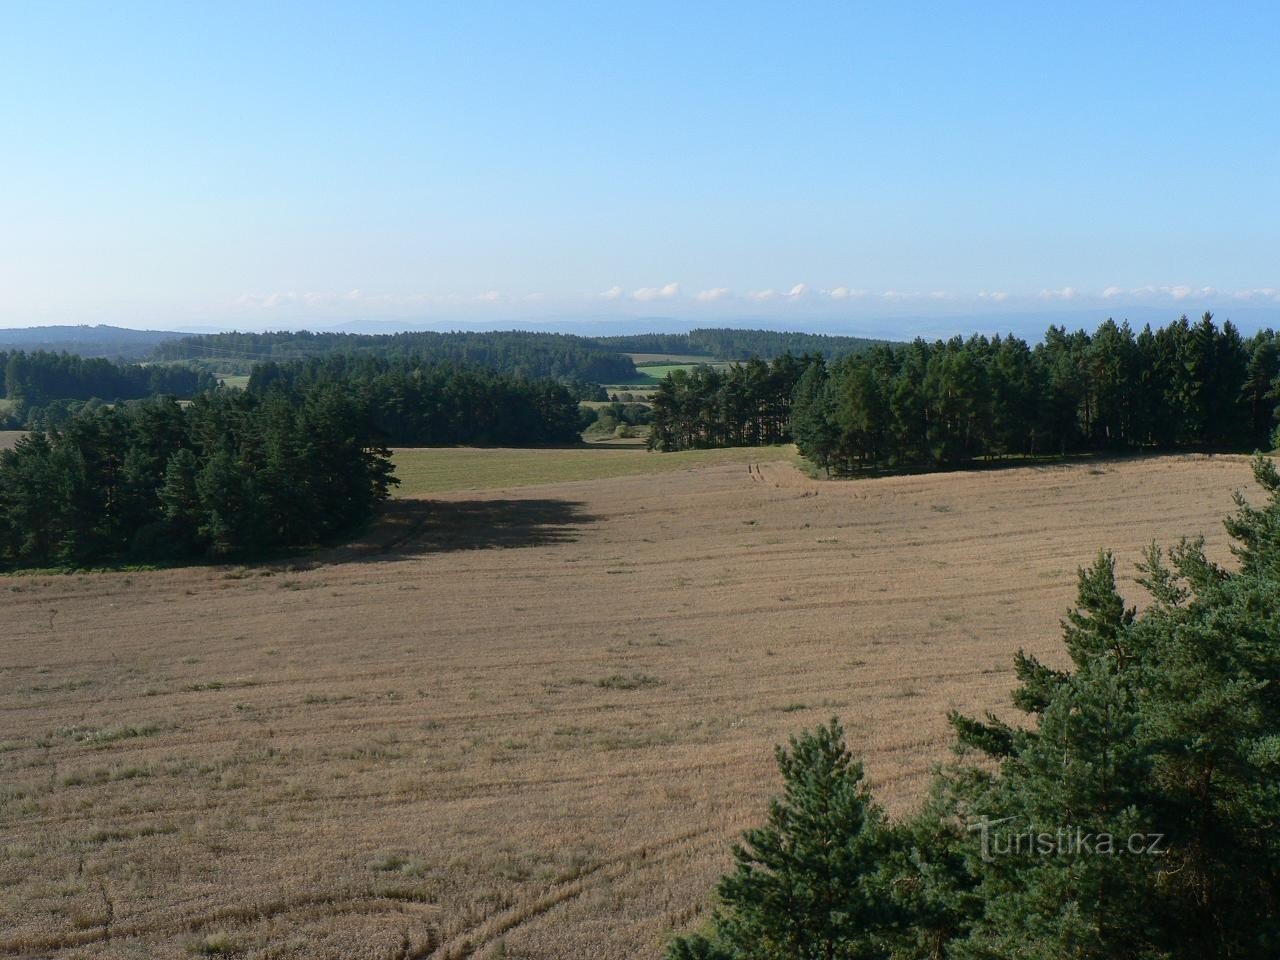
[114, 343]
[1183, 386]
[1132, 814]
[231, 475]
[516, 352]
[747, 404]
[412, 404]
[727, 343]
[36, 380]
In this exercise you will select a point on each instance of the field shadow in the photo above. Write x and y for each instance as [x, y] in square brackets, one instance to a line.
[411, 528]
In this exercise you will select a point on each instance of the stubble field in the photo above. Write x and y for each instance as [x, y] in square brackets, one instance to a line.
[522, 722]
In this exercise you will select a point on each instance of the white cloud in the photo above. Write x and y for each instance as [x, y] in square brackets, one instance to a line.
[613, 293]
[845, 293]
[1257, 293]
[1176, 292]
[669, 292]
[710, 296]
[490, 295]
[760, 296]
[1066, 293]
[998, 296]
[798, 291]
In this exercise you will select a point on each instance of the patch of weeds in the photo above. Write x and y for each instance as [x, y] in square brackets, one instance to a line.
[99, 775]
[107, 835]
[634, 681]
[213, 945]
[65, 686]
[375, 749]
[942, 508]
[793, 707]
[100, 736]
[317, 698]
[407, 866]
[201, 685]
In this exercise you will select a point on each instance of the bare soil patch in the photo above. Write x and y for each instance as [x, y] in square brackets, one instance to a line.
[523, 720]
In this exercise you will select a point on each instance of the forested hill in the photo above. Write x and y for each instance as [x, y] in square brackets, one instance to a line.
[527, 354]
[114, 343]
[725, 343]
[38, 386]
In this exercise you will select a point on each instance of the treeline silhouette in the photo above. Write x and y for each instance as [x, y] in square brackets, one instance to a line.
[725, 343]
[33, 381]
[436, 405]
[232, 475]
[1183, 386]
[516, 352]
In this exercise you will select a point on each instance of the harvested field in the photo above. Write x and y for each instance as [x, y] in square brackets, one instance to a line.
[426, 470]
[9, 437]
[525, 722]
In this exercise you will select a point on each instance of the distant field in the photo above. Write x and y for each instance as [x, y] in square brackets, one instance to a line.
[429, 470]
[651, 376]
[235, 381]
[640, 359]
[9, 437]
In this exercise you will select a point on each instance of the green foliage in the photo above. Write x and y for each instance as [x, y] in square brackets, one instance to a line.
[1185, 386]
[45, 389]
[231, 475]
[436, 405]
[1133, 816]
[514, 352]
[803, 883]
[745, 405]
[732, 344]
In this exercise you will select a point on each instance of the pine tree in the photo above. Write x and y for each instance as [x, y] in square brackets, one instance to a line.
[802, 888]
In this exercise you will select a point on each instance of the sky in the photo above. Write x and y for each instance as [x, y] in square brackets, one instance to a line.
[858, 167]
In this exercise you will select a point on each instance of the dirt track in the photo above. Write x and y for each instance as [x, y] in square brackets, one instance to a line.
[532, 718]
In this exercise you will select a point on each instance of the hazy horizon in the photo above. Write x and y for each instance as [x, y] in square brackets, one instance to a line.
[877, 169]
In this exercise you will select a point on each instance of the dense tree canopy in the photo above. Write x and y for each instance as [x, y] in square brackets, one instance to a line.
[31, 381]
[115, 343]
[1133, 815]
[727, 343]
[230, 475]
[519, 353]
[437, 405]
[745, 405]
[1187, 385]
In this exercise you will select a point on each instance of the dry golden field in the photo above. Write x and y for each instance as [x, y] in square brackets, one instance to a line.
[520, 723]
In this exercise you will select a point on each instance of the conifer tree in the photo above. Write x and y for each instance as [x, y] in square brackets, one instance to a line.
[803, 885]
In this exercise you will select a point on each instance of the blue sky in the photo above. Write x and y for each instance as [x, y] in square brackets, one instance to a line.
[879, 166]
